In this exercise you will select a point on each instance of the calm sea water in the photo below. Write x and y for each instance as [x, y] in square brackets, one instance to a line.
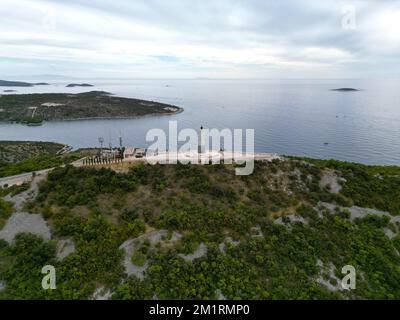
[292, 117]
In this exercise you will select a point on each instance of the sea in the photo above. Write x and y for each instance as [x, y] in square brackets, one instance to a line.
[289, 117]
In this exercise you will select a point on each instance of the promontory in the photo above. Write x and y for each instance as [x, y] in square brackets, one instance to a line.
[6, 83]
[36, 108]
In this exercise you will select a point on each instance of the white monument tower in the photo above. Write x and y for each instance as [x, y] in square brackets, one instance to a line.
[201, 146]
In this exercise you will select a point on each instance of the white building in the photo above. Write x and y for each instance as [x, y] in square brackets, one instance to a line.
[129, 152]
[140, 152]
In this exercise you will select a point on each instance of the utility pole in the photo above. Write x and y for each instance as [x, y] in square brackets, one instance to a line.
[101, 141]
[120, 139]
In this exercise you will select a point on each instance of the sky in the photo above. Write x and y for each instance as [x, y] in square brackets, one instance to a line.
[218, 39]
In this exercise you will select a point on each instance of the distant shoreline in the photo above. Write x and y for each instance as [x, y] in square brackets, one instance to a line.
[98, 118]
[35, 109]
[116, 118]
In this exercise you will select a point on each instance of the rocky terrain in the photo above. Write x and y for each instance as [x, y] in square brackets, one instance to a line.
[201, 232]
[14, 151]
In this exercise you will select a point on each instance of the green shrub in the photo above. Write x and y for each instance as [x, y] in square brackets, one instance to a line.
[138, 258]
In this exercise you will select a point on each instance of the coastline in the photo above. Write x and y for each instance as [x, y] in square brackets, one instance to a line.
[92, 105]
[118, 117]
[169, 113]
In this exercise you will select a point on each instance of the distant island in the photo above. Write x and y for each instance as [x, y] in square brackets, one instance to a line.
[72, 85]
[345, 89]
[9, 90]
[5, 83]
[33, 109]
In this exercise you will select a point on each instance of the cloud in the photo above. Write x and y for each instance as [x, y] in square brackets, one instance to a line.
[382, 30]
[327, 54]
[190, 38]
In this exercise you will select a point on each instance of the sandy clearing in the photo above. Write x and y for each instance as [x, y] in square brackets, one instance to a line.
[359, 212]
[101, 294]
[329, 178]
[293, 218]
[25, 222]
[198, 253]
[130, 246]
[220, 295]
[227, 240]
[27, 195]
[389, 233]
[256, 232]
[51, 104]
[65, 247]
[332, 276]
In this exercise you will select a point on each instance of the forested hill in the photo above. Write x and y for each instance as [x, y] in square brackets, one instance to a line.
[14, 151]
[201, 232]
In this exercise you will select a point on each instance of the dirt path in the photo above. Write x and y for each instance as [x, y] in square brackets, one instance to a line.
[27, 177]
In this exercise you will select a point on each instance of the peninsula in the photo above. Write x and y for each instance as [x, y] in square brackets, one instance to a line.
[5, 83]
[33, 109]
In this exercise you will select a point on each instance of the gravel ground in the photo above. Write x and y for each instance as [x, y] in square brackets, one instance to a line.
[332, 180]
[101, 294]
[198, 253]
[359, 212]
[65, 248]
[21, 221]
[220, 295]
[332, 275]
[130, 246]
[229, 240]
[25, 222]
[292, 218]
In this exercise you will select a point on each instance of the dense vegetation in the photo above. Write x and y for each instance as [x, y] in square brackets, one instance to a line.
[5, 211]
[31, 164]
[14, 151]
[66, 106]
[100, 209]
[368, 186]
[33, 156]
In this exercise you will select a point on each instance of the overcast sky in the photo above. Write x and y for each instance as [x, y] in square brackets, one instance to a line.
[200, 38]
